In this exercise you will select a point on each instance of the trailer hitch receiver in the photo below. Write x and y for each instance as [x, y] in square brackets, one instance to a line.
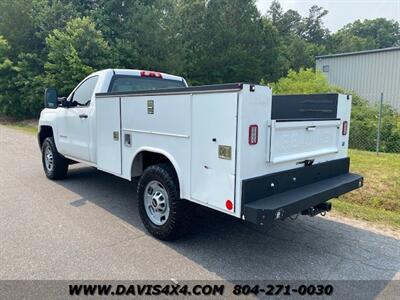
[318, 209]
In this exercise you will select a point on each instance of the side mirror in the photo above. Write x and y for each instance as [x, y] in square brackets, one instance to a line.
[50, 98]
[63, 102]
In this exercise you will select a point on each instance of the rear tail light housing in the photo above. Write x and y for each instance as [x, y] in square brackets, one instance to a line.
[345, 127]
[150, 74]
[253, 134]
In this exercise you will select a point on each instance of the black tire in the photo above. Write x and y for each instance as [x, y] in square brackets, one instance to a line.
[59, 167]
[180, 215]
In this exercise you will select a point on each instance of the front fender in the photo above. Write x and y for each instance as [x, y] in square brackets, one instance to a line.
[48, 118]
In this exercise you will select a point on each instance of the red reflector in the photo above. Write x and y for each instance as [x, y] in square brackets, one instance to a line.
[229, 205]
[344, 127]
[150, 74]
[253, 134]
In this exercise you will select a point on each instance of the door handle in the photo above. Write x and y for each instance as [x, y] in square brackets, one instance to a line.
[83, 116]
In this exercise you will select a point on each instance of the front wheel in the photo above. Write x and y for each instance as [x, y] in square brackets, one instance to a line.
[164, 214]
[54, 164]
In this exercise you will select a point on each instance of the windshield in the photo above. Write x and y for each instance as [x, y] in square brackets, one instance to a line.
[124, 83]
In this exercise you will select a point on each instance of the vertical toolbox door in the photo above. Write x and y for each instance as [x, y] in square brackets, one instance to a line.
[214, 149]
[108, 122]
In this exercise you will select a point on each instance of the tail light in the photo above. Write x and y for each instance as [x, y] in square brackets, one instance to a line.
[150, 74]
[253, 134]
[345, 126]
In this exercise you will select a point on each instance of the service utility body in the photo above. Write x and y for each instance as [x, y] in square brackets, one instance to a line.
[234, 148]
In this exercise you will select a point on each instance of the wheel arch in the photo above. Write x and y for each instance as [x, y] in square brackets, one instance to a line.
[147, 156]
[45, 131]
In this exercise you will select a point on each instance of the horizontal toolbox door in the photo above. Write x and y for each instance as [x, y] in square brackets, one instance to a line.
[296, 140]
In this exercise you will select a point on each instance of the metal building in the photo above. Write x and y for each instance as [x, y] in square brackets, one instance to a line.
[368, 73]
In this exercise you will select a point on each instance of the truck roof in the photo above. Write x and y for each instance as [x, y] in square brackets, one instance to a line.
[135, 72]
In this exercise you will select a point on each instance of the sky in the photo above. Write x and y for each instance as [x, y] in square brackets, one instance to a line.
[342, 12]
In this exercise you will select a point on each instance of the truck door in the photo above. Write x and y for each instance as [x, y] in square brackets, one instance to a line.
[73, 126]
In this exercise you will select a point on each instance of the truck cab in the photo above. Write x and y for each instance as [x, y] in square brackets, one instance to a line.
[73, 122]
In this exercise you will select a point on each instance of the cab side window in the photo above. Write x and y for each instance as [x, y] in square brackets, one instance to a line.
[83, 94]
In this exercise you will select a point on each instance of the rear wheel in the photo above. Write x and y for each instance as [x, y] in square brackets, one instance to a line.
[54, 164]
[163, 213]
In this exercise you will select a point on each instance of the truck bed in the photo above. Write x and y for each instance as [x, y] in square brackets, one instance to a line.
[299, 158]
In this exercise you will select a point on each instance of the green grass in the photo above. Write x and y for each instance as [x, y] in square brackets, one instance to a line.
[29, 126]
[23, 127]
[379, 199]
[370, 214]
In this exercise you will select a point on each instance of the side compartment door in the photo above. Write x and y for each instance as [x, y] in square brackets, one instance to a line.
[214, 125]
[108, 114]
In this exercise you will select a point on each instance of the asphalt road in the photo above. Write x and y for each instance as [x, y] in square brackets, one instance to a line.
[87, 227]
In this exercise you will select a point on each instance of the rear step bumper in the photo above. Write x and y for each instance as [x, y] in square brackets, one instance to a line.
[285, 204]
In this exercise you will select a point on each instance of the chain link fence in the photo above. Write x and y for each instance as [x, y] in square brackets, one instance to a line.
[375, 126]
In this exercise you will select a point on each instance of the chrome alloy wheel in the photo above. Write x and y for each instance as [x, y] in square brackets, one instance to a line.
[48, 158]
[156, 202]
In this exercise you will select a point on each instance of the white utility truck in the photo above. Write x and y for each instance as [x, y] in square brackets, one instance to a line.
[234, 148]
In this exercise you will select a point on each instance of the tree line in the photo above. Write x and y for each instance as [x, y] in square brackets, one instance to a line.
[58, 42]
